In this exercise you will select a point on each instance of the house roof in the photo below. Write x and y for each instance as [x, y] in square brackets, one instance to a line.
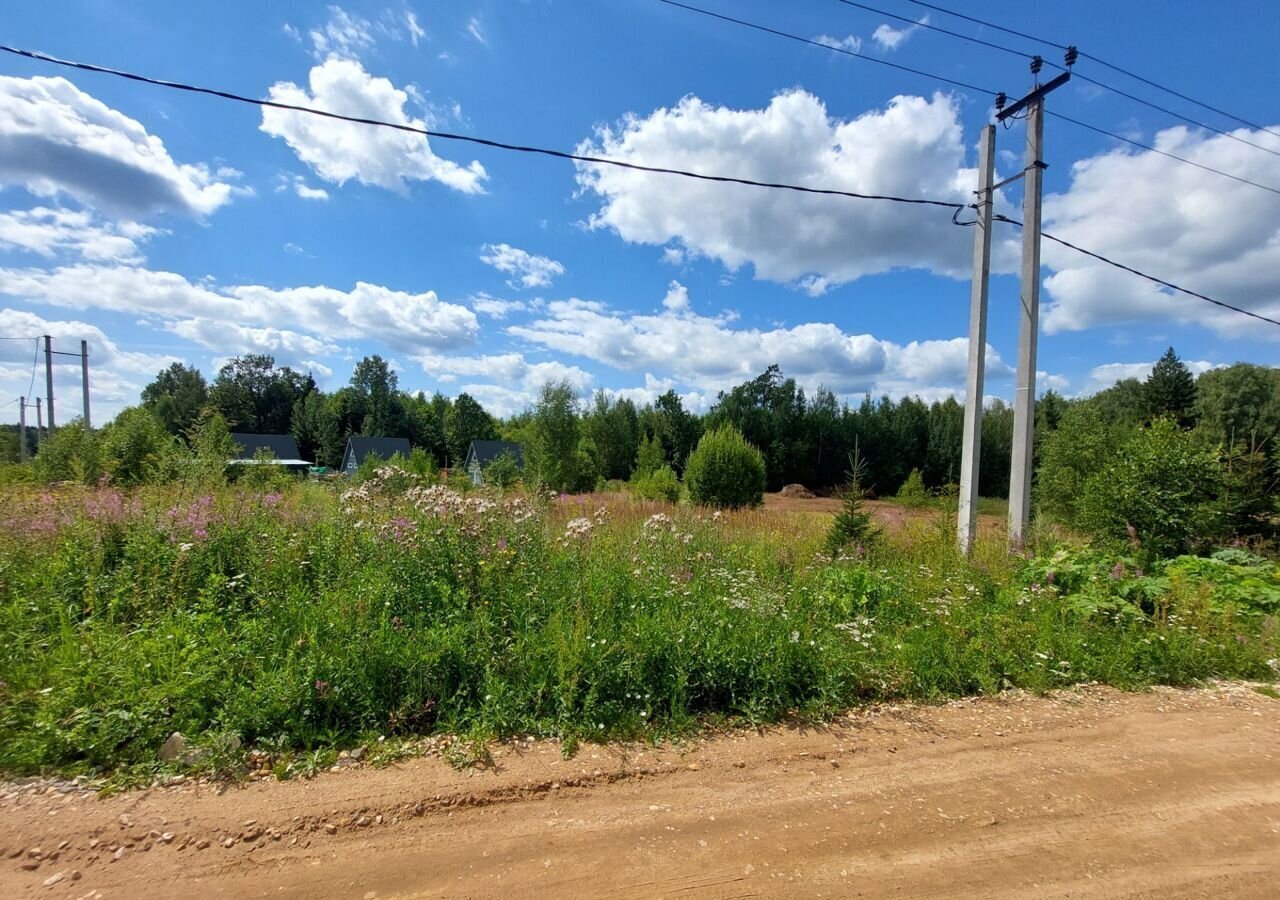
[282, 446]
[383, 447]
[485, 452]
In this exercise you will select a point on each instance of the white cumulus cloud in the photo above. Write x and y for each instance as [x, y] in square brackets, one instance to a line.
[57, 140]
[914, 147]
[401, 320]
[341, 151]
[50, 232]
[1179, 223]
[526, 269]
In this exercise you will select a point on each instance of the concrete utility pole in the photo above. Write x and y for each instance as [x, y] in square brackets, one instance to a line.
[1024, 401]
[39, 424]
[84, 375]
[971, 446]
[48, 376]
[22, 429]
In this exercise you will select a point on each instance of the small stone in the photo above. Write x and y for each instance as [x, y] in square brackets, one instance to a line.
[358, 753]
[54, 879]
[125, 821]
[363, 821]
[35, 853]
[174, 747]
[378, 819]
[64, 845]
[30, 865]
[228, 842]
[693, 767]
[202, 844]
[75, 874]
[119, 854]
[330, 828]
[166, 837]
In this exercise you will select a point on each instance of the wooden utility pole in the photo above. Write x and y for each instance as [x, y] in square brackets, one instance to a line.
[971, 447]
[1024, 400]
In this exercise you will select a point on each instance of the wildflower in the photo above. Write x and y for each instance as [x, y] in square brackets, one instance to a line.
[271, 500]
[502, 544]
[322, 688]
[577, 528]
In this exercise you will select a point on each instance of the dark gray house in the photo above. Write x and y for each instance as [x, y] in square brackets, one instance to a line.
[282, 447]
[481, 453]
[382, 447]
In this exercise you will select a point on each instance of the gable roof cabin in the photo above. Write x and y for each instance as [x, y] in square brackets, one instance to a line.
[481, 453]
[382, 447]
[282, 447]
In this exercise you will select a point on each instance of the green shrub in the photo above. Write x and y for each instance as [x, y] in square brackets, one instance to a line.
[852, 525]
[423, 464]
[725, 470]
[1158, 491]
[1082, 444]
[913, 494]
[136, 448]
[503, 471]
[661, 484]
[71, 453]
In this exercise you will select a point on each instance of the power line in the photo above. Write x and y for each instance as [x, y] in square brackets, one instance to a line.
[920, 23]
[1181, 159]
[847, 52]
[471, 139]
[35, 364]
[1115, 68]
[577, 158]
[1141, 274]
[836, 49]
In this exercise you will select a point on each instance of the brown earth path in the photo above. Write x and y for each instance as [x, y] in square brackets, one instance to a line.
[1089, 793]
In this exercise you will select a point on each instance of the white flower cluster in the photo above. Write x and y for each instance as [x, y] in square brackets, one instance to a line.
[578, 529]
[860, 629]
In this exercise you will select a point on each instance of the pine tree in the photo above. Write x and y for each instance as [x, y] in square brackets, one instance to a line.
[1170, 390]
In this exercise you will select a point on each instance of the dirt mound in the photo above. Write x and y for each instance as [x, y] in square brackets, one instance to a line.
[798, 492]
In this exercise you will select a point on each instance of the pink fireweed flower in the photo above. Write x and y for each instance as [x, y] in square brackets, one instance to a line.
[272, 499]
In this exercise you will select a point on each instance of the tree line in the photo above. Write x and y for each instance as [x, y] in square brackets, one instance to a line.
[803, 438]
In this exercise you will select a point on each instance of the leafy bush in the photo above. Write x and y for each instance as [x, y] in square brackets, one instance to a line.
[423, 464]
[136, 447]
[503, 471]
[1158, 491]
[725, 470]
[660, 484]
[913, 494]
[1082, 445]
[71, 453]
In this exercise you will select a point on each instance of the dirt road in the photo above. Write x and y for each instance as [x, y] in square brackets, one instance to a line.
[1093, 793]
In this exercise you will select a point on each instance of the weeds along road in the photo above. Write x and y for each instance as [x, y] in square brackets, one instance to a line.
[1091, 793]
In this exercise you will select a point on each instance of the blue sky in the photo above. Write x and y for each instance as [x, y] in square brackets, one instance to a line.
[160, 225]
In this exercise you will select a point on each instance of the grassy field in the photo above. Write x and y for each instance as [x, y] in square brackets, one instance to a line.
[309, 619]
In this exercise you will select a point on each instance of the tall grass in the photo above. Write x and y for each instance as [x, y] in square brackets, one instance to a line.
[303, 619]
